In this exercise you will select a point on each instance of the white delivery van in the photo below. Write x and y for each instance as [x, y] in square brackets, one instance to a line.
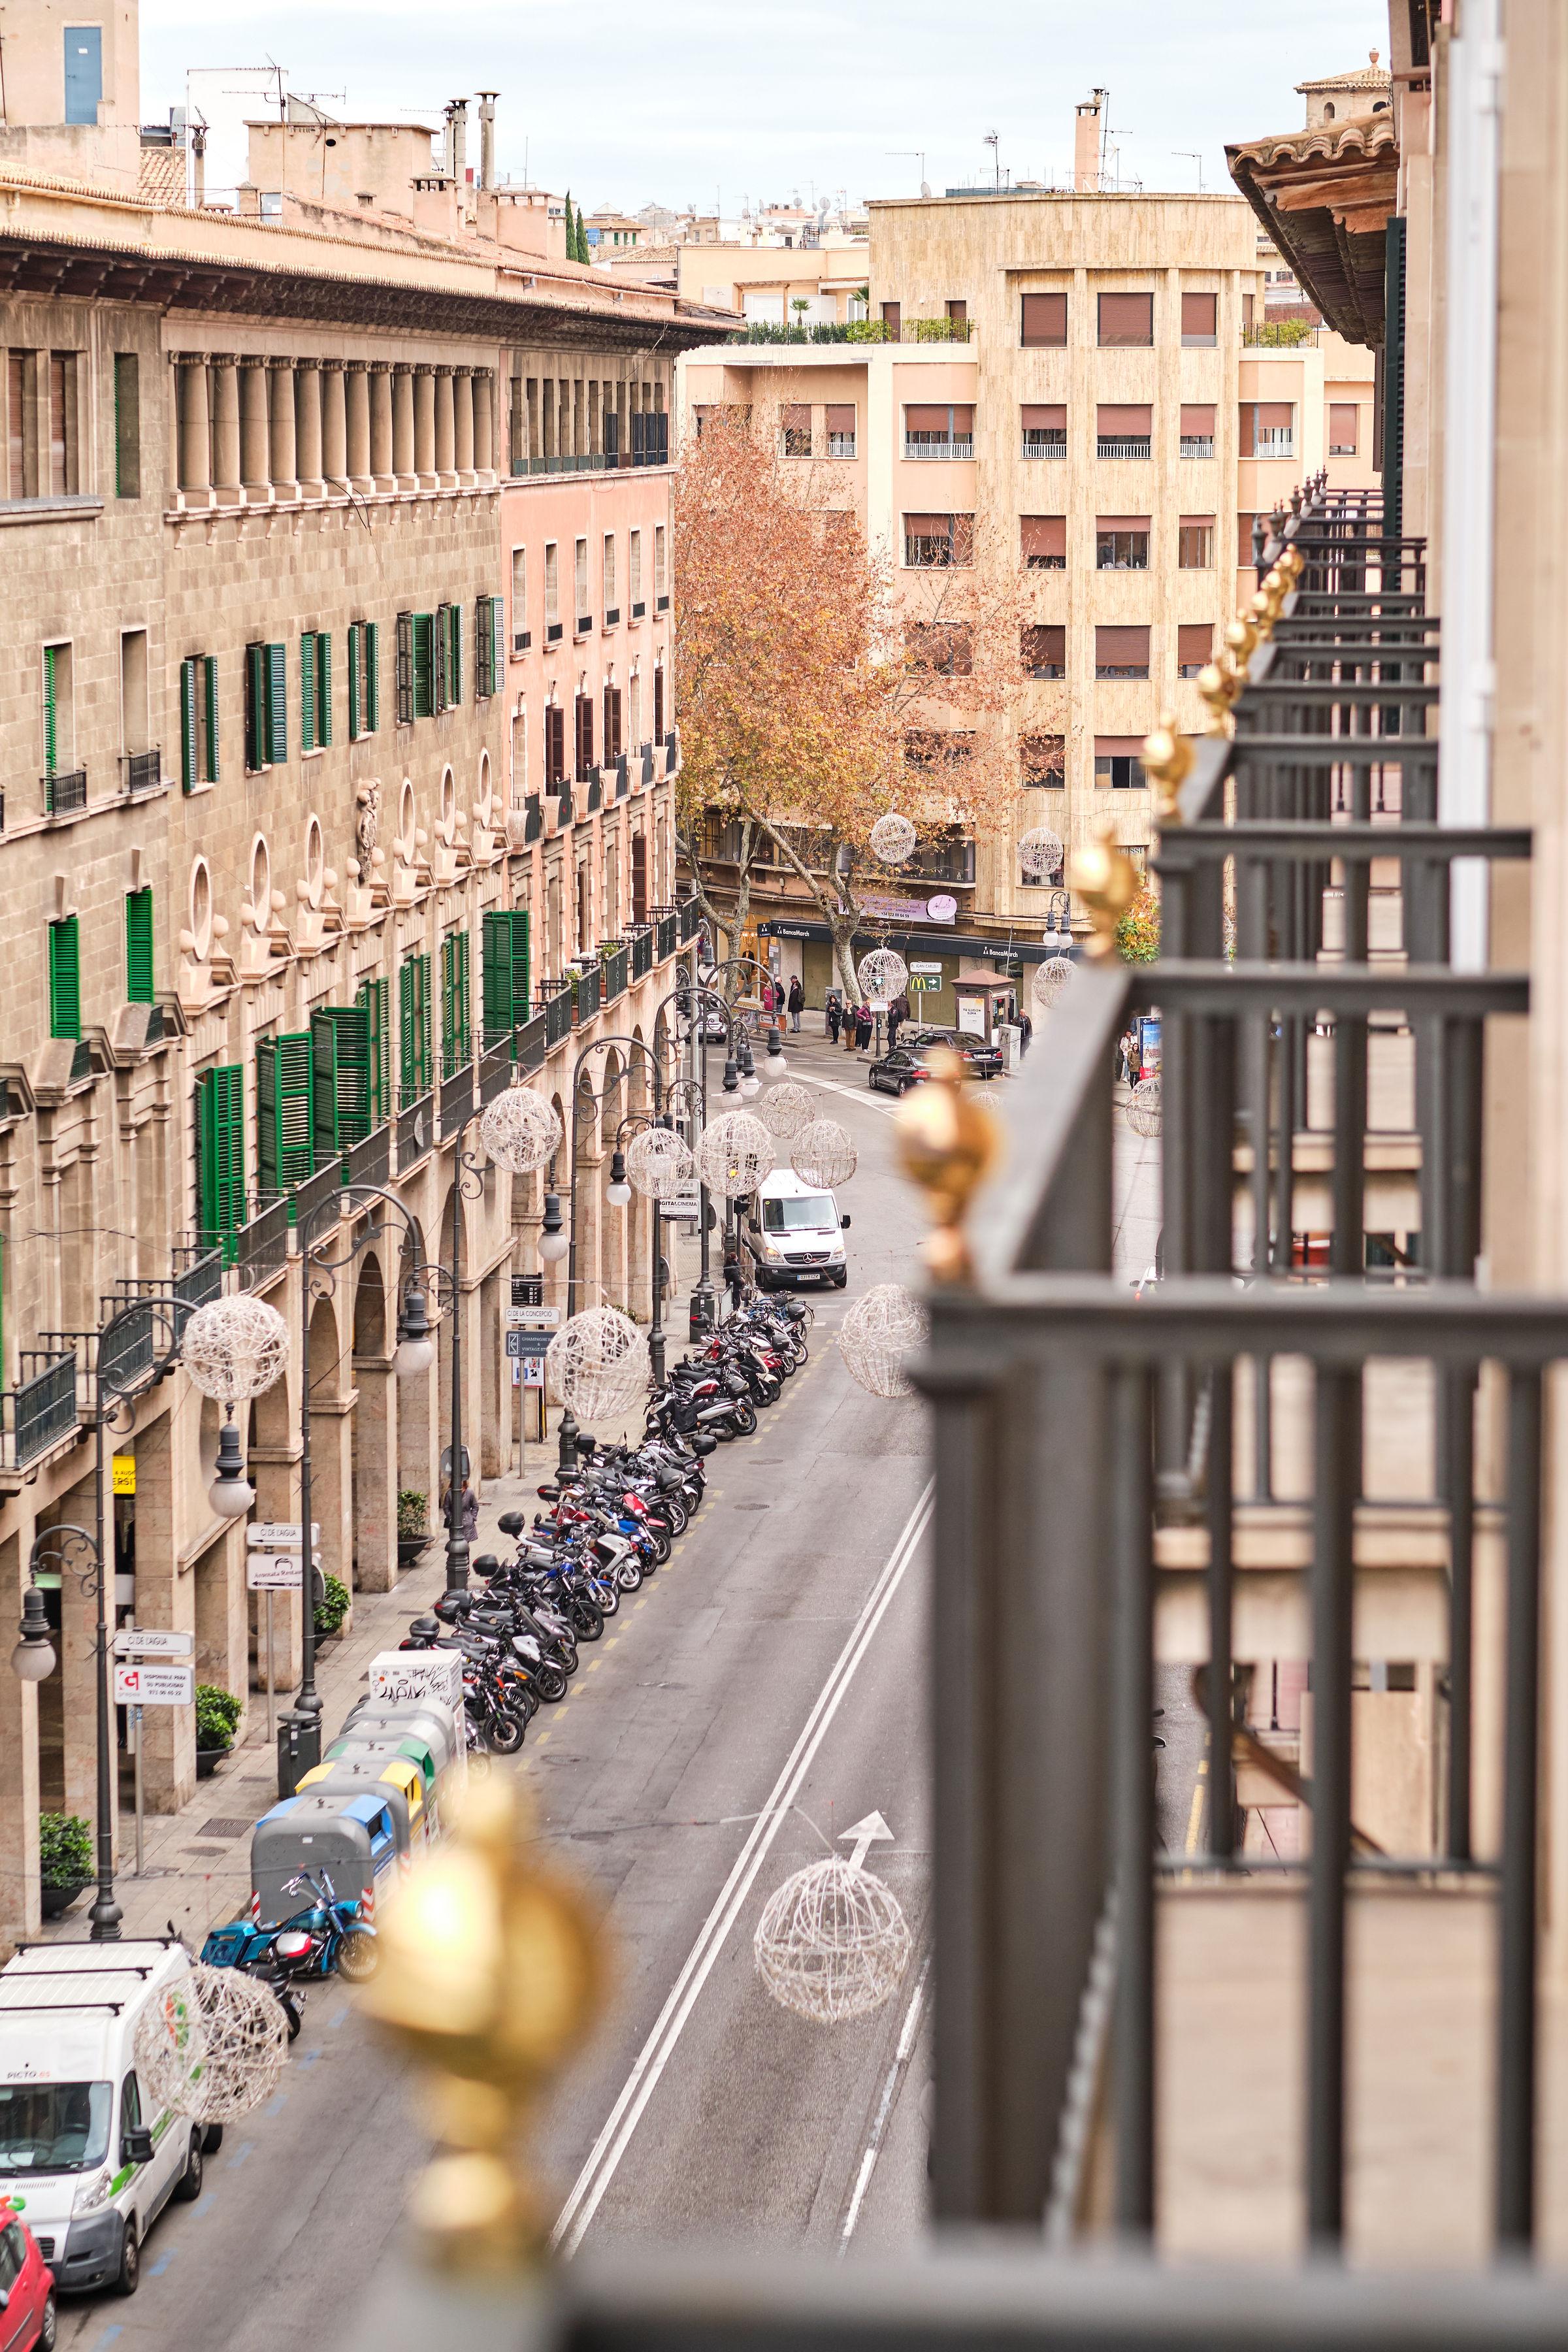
[795, 1235]
[84, 2158]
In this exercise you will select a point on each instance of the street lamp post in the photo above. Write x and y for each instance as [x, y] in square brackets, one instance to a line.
[78, 1552]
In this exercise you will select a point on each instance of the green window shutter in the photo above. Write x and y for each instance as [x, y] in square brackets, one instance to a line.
[372, 676]
[255, 707]
[373, 1000]
[65, 979]
[284, 1155]
[455, 1047]
[189, 777]
[323, 688]
[404, 681]
[441, 685]
[414, 1024]
[339, 1062]
[50, 731]
[308, 691]
[139, 947]
[209, 682]
[484, 648]
[505, 950]
[220, 1155]
[455, 654]
[356, 633]
[423, 660]
[277, 733]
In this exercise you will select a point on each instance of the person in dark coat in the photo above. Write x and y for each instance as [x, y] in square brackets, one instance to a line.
[1026, 1031]
[796, 1004]
[898, 1013]
[863, 1028]
[835, 1015]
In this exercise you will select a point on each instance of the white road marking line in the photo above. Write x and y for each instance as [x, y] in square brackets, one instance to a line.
[874, 2145]
[855, 1094]
[604, 2160]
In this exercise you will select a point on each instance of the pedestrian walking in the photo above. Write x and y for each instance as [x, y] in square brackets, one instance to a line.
[797, 1004]
[863, 1028]
[471, 1510]
[769, 1000]
[835, 1015]
[1026, 1031]
[898, 1013]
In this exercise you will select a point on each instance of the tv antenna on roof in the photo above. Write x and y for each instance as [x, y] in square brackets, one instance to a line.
[917, 152]
[1192, 155]
[994, 140]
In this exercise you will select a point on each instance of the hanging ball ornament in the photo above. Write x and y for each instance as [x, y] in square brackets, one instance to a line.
[886, 1325]
[822, 1154]
[734, 1155]
[1039, 853]
[1144, 1111]
[657, 1162]
[233, 1349]
[892, 839]
[784, 1109]
[1050, 978]
[211, 2045]
[832, 1942]
[520, 1130]
[597, 1365]
[883, 974]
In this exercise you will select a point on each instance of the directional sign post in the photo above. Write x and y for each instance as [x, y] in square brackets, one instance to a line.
[138, 1686]
[144, 1641]
[280, 1535]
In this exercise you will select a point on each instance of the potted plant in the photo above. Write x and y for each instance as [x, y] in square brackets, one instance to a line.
[332, 1608]
[217, 1717]
[413, 1525]
[65, 1861]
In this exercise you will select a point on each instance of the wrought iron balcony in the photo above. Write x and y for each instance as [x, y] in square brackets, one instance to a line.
[65, 792]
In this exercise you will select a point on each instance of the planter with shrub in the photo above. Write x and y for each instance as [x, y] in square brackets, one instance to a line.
[65, 1861]
[413, 1525]
[217, 1719]
[332, 1608]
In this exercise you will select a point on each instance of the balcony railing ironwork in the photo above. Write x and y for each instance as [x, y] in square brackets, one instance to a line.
[1045, 445]
[40, 1410]
[415, 1127]
[1123, 445]
[557, 1000]
[924, 445]
[587, 991]
[65, 792]
[639, 939]
[143, 770]
[614, 971]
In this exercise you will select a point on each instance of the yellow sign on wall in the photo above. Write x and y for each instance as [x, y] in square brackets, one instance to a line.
[124, 1470]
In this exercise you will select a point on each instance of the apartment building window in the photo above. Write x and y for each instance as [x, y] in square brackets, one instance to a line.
[1121, 543]
[1044, 762]
[1120, 652]
[1195, 543]
[365, 678]
[1045, 321]
[613, 745]
[1044, 541]
[795, 430]
[65, 478]
[59, 709]
[1267, 428]
[583, 737]
[21, 424]
[449, 656]
[650, 436]
[139, 947]
[1126, 318]
[946, 648]
[315, 689]
[489, 647]
[65, 978]
[127, 426]
[1123, 430]
[414, 1026]
[936, 431]
[520, 638]
[634, 574]
[266, 706]
[1194, 646]
[584, 619]
[612, 590]
[554, 746]
[198, 722]
[552, 593]
[220, 1154]
[1344, 428]
[841, 423]
[414, 672]
[658, 702]
[661, 571]
[1244, 523]
[1045, 429]
[934, 542]
[633, 690]
[456, 1040]
[1197, 428]
[1044, 649]
[957, 314]
[1200, 320]
[1116, 764]
[893, 319]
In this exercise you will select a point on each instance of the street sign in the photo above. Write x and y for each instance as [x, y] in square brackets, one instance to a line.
[273, 1571]
[926, 967]
[280, 1535]
[155, 1686]
[925, 983]
[143, 1641]
[532, 1371]
[123, 1469]
[683, 1206]
[531, 1318]
[527, 1343]
[527, 1289]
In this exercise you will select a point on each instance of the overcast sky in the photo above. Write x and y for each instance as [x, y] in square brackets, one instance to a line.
[757, 99]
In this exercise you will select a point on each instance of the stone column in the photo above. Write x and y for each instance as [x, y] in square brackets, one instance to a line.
[381, 465]
[255, 437]
[425, 426]
[493, 1369]
[307, 429]
[165, 1595]
[285, 461]
[225, 428]
[376, 1444]
[356, 408]
[195, 433]
[463, 423]
[403, 427]
[446, 462]
[485, 426]
[334, 428]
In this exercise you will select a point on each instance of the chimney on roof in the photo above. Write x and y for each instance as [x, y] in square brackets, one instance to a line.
[487, 137]
[457, 139]
[1086, 144]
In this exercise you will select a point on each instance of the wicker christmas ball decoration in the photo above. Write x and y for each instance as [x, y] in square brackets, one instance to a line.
[892, 839]
[1144, 1111]
[824, 1155]
[520, 1130]
[222, 2024]
[1050, 978]
[233, 1349]
[832, 1942]
[883, 974]
[597, 1364]
[1039, 853]
[734, 1155]
[885, 1327]
[785, 1109]
[657, 1162]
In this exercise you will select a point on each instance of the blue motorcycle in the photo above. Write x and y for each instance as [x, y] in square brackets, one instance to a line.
[326, 1937]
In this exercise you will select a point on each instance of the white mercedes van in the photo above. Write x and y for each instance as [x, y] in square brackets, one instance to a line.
[795, 1235]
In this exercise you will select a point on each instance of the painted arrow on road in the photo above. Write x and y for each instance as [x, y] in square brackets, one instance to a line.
[872, 1830]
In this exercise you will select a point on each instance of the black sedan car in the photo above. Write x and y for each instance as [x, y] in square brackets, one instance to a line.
[909, 1063]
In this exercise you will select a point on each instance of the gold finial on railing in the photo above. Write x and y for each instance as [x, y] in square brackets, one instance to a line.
[490, 1969]
[1218, 684]
[1108, 882]
[1167, 763]
[1292, 563]
[1276, 588]
[1262, 615]
[1240, 642]
[947, 1140]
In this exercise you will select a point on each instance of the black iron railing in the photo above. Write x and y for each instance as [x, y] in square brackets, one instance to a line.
[415, 1127]
[587, 990]
[690, 914]
[639, 939]
[41, 1410]
[143, 770]
[615, 972]
[557, 1001]
[65, 792]
[666, 932]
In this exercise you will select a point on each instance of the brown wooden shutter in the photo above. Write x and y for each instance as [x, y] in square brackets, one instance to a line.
[1246, 444]
[1121, 648]
[1244, 539]
[1045, 319]
[1121, 522]
[1119, 421]
[892, 316]
[1044, 643]
[841, 419]
[1044, 535]
[926, 420]
[958, 312]
[1194, 643]
[1127, 318]
[962, 422]
[927, 526]
[1051, 418]
[1344, 425]
[1199, 315]
[1273, 416]
[1197, 419]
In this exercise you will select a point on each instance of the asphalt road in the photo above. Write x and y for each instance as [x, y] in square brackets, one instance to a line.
[760, 1696]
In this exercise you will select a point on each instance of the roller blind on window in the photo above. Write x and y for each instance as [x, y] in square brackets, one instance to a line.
[1127, 318]
[1195, 642]
[1119, 746]
[841, 418]
[1050, 419]
[1197, 418]
[796, 417]
[1344, 424]
[925, 526]
[1044, 641]
[926, 419]
[1045, 318]
[1121, 648]
[1199, 314]
[1196, 522]
[1045, 534]
[1117, 421]
[1274, 415]
[1121, 522]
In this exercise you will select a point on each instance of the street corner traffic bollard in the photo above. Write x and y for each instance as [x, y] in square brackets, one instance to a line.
[298, 1749]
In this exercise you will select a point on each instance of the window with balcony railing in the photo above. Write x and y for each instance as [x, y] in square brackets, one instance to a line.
[938, 431]
[1197, 444]
[1044, 442]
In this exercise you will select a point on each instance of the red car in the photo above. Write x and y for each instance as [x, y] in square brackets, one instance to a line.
[26, 2288]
